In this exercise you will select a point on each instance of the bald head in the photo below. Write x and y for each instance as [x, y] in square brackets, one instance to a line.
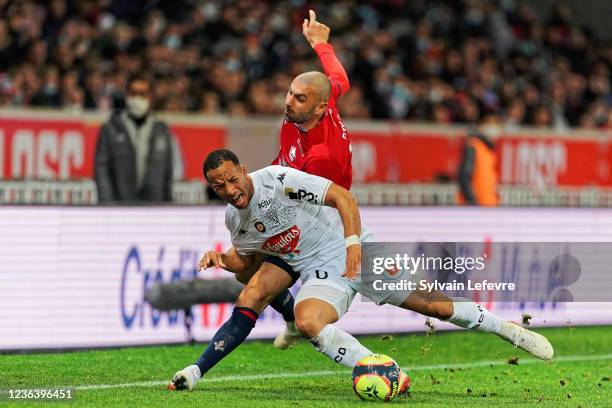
[307, 99]
[318, 81]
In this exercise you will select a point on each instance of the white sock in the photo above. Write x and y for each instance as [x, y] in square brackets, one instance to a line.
[339, 346]
[195, 370]
[471, 315]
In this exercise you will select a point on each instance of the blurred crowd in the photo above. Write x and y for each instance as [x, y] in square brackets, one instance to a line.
[441, 60]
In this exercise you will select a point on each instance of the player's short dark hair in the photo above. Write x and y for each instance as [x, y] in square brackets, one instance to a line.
[216, 159]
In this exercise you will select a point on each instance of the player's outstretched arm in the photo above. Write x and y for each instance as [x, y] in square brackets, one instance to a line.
[315, 32]
[317, 35]
[231, 261]
[346, 204]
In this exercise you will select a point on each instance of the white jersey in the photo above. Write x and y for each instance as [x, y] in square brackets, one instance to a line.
[286, 218]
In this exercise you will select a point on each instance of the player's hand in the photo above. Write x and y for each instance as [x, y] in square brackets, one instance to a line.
[353, 261]
[210, 259]
[315, 32]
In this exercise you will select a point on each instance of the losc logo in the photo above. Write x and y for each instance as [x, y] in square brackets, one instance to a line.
[285, 242]
[301, 195]
[56, 151]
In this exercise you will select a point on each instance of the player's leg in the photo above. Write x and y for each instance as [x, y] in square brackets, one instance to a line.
[254, 298]
[283, 303]
[470, 315]
[459, 311]
[317, 307]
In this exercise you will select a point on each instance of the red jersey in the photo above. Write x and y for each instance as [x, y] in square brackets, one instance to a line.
[324, 150]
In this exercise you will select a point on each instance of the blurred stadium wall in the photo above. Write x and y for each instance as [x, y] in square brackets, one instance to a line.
[74, 277]
[46, 157]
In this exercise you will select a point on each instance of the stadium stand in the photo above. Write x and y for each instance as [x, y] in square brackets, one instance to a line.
[441, 61]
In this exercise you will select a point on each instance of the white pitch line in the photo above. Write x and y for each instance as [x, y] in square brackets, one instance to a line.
[216, 379]
[475, 364]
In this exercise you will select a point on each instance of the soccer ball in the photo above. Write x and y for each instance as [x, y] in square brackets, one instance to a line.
[376, 378]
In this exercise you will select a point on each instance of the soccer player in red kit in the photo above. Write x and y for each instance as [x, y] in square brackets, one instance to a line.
[314, 140]
[313, 137]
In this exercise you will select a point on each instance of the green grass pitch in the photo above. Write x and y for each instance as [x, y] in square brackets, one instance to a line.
[447, 369]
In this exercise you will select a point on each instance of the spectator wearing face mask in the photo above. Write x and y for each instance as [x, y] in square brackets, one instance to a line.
[136, 155]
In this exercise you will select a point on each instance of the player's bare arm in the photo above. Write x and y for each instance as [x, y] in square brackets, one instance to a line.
[346, 204]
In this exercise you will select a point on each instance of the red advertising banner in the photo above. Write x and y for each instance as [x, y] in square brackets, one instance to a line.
[46, 149]
[523, 159]
[61, 147]
[555, 161]
[196, 141]
[64, 149]
[403, 158]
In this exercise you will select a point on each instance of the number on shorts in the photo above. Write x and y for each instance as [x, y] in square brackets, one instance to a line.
[321, 274]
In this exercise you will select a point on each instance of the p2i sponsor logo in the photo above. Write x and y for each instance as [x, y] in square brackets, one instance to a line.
[301, 195]
[284, 243]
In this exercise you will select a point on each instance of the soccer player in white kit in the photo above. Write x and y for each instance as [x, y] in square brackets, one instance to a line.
[314, 226]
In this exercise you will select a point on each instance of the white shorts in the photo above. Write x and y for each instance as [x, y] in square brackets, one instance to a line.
[328, 274]
[340, 300]
[340, 292]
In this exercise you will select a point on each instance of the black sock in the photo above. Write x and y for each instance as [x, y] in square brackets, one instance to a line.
[228, 337]
[283, 304]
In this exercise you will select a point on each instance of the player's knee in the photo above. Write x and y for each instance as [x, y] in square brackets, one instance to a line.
[308, 326]
[254, 297]
[444, 310]
[439, 310]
